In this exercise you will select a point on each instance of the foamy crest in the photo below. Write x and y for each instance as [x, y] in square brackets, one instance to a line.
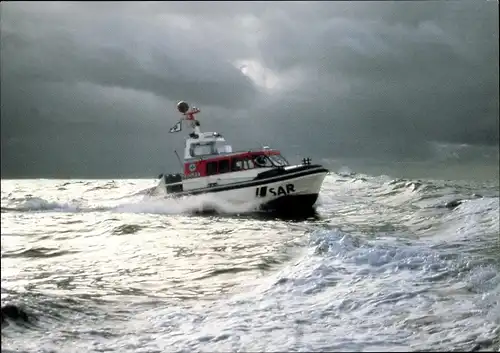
[40, 204]
[470, 219]
[190, 204]
[345, 294]
[136, 204]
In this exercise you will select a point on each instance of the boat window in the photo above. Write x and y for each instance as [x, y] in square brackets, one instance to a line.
[211, 168]
[242, 164]
[278, 160]
[237, 165]
[262, 161]
[224, 166]
[221, 147]
[249, 164]
[200, 149]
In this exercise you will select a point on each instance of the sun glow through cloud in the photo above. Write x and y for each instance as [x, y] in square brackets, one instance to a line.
[260, 75]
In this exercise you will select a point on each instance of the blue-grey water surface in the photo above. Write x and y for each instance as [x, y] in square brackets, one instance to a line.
[101, 267]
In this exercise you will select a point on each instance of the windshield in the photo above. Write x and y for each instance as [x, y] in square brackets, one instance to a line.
[222, 147]
[270, 161]
[262, 161]
[278, 160]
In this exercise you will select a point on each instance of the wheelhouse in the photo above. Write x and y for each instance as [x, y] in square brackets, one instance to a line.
[208, 153]
[225, 163]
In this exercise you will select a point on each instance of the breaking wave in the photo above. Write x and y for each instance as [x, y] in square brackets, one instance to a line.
[384, 295]
[150, 205]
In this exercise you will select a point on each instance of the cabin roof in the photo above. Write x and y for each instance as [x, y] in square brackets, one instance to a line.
[206, 137]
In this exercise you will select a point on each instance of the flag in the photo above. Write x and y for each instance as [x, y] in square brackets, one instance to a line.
[177, 127]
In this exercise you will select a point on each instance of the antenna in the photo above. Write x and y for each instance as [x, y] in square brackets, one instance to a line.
[178, 158]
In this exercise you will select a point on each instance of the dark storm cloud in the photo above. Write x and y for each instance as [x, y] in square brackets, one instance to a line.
[81, 44]
[366, 79]
[406, 73]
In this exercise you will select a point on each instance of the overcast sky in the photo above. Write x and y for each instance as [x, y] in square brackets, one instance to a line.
[89, 89]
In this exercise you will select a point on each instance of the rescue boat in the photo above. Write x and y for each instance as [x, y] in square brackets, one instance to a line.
[261, 177]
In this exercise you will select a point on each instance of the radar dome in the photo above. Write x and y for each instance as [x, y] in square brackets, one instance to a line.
[182, 107]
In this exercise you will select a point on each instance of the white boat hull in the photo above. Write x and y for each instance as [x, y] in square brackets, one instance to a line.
[288, 192]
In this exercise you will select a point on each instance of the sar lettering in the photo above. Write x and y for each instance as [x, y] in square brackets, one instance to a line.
[279, 191]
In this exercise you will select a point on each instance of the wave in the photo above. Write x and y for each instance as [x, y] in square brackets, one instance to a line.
[40, 204]
[151, 205]
[346, 290]
[415, 196]
[36, 253]
[351, 293]
[191, 204]
[43, 309]
[472, 219]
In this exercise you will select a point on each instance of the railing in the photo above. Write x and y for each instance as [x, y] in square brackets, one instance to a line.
[192, 181]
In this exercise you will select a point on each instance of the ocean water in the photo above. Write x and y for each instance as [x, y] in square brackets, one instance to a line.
[99, 266]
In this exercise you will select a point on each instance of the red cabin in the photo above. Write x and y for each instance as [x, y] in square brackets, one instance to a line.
[233, 162]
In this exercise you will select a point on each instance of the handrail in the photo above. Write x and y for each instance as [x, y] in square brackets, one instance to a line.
[192, 180]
